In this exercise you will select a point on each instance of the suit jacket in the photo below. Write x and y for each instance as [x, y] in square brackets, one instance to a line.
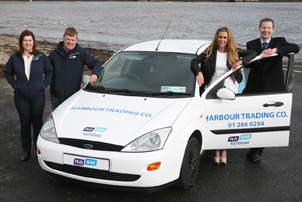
[267, 75]
[208, 67]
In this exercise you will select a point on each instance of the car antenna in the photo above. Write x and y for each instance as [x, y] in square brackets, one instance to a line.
[162, 37]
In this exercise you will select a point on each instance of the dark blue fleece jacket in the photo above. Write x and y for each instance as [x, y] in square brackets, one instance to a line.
[68, 69]
[40, 74]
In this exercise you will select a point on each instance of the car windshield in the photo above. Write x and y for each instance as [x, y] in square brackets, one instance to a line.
[147, 74]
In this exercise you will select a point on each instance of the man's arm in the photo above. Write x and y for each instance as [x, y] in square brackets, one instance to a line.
[93, 64]
[286, 48]
[282, 48]
[48, 70]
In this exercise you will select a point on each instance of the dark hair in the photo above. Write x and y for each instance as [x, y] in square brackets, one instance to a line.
[267, 20]
[22, 35]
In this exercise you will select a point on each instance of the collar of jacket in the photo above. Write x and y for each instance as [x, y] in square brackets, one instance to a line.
[35, 56]
[260, 45]
[61, 50]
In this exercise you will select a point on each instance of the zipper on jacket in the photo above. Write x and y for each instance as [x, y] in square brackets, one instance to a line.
[66, 65]
[63, 55]
[29, 87]
[35, 58]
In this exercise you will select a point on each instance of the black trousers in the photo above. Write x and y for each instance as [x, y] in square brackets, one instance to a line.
[30, 109]
[258, 151]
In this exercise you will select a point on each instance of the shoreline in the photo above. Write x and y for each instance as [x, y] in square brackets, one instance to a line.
[9, 44]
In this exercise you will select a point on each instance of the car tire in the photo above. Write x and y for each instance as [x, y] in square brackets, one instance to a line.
[190, 165]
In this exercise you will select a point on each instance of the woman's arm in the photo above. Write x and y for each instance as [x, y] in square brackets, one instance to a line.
[195, 63]
[9, 72]
[196, 70]
[246, 55]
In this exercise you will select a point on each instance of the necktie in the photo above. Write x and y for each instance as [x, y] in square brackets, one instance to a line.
[264, 45]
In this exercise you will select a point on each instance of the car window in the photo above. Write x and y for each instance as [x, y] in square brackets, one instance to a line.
[148, 72]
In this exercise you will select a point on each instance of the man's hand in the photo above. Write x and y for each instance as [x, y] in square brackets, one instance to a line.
[236, 65]
[92, 78]
[267, 52]
[200, 79]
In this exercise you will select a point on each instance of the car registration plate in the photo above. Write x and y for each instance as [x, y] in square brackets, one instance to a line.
[101, 164]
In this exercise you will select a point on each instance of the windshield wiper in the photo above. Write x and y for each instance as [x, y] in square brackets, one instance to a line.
[101, 89]
[115, 90]
[170, 93]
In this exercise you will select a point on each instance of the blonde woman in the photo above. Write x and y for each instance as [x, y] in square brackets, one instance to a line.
[221, 56]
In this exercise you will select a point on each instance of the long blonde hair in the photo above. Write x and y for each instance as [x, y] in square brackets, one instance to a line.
[231, 47]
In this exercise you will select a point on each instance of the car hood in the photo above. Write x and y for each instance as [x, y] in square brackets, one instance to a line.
[114, 119]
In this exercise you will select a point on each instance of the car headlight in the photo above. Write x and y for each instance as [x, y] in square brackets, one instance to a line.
[149, 142]
[48, 131]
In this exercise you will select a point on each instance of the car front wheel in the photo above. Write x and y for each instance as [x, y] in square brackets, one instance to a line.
[190, 165]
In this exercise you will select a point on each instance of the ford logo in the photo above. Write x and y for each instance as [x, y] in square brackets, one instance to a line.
[87, 146]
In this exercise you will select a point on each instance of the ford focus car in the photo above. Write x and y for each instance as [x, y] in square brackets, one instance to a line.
[144, 124]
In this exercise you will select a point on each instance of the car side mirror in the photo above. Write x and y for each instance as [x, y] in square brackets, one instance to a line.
[225, 93]
[85, 79]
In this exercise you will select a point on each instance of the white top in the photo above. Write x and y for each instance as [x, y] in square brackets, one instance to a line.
[27, 64]
[221, 69]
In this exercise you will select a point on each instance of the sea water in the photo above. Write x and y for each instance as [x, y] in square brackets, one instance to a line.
[113, 25]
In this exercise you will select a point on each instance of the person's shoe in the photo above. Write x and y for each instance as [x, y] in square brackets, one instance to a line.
[216, 160]
[223, 160]
[256, 158]
[25, 156]
[249, 154]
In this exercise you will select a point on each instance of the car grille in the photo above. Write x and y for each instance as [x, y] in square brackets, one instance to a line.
[96, 145]
[92, 173]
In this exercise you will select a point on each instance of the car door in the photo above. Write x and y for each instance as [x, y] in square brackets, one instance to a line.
[247, 120]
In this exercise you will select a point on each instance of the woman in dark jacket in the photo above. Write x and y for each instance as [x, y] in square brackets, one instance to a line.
[29, 72]
[221, 56]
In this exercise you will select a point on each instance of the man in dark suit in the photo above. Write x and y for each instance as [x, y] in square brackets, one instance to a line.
[267, 75]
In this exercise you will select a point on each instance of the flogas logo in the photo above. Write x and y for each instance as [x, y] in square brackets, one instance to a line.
[88, 129]
[233, 139]
[100, 129]
[245, 136]
[79, 162]
[90, 162]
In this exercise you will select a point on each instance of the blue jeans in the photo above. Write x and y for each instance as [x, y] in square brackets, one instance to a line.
[56, 101]
[30, 109]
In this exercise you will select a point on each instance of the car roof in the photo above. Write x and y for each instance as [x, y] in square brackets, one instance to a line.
[171, 45]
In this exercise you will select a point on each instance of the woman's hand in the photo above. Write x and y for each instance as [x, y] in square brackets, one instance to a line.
[236, 65]
[200, 79]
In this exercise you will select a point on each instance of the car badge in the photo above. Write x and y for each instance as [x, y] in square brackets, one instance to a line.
[88, 146]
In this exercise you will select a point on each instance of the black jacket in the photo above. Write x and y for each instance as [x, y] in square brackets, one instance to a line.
[267, 75]
[208, 67]
[40, 74]
[68, 69]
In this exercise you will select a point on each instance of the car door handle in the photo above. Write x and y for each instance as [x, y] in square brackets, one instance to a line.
[276, 104]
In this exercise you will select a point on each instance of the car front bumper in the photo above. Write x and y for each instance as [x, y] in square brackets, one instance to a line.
[126, 170]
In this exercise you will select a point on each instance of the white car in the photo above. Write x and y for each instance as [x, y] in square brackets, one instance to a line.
[143, 125]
